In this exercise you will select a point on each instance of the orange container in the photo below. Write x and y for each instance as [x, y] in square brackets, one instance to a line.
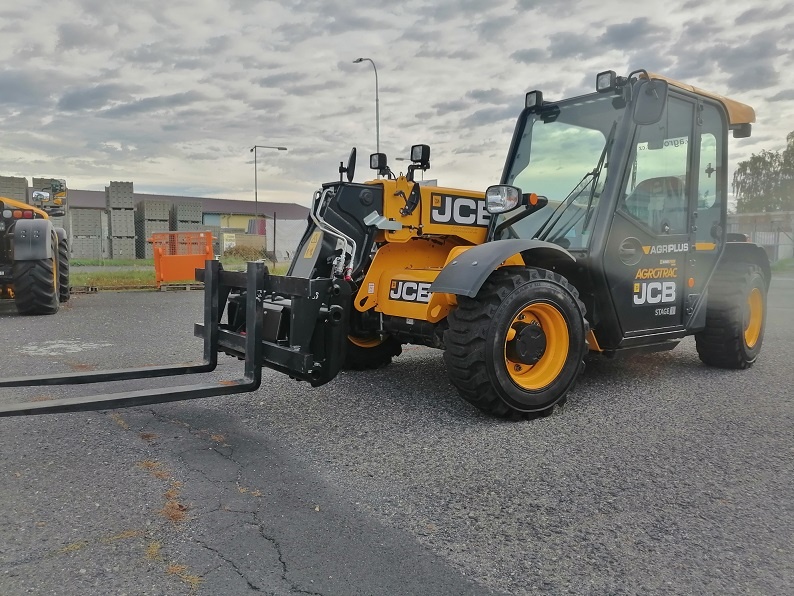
[177, 255]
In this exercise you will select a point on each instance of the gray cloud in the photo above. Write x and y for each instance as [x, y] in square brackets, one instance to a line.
[493, 27]
[571, 45]
[152, 104]
[446, 10]
[486, 116]
[277, 80]
[760, 76]
[763, 14]
[436, 52]
[445, 107]
[72, 36]
[528, 55]
[637, 33]
[489, 96]
[27, 87]
[786, 94]
[91, 98]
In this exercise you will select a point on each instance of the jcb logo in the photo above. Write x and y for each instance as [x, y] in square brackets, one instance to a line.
[655, 292]
[410, 291]
[459, 211]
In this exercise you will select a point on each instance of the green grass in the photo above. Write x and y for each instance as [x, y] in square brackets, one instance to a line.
[135, 278]
[783, 265]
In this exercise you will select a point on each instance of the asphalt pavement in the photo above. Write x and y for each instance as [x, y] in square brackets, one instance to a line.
[660, 475]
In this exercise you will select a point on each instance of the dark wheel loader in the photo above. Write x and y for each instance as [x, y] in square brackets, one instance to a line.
[34, 254]
[607, 233]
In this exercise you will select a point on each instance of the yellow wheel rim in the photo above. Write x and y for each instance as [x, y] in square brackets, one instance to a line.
[366, 343]
[534, 377]
[755, 305]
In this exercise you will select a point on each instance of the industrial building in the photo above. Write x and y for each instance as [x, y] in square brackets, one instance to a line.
[117, 222]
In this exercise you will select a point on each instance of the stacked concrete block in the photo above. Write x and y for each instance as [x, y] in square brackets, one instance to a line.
[14, 187]
[86, 247]
[150, 217]
[186, 216]
[120, 201]
[85, 240]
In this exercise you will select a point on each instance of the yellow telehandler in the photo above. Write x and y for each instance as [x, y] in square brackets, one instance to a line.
[607, 233]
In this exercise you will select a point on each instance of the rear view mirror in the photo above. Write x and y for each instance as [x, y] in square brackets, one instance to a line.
[649, 101]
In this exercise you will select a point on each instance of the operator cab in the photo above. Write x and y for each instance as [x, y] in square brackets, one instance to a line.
[634, 181]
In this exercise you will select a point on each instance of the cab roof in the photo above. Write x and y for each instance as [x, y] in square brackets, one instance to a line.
[738, 113]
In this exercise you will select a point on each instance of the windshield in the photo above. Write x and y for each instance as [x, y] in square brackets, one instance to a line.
[563, 154]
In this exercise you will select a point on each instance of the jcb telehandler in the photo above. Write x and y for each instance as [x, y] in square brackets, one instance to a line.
[34, 255]
[608, 233]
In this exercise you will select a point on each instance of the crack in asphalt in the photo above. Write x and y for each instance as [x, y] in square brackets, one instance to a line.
[233, 565]
[283, 563]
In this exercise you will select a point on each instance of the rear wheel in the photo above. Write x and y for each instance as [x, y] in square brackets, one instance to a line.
[369, 353]
[735, 318]
[64, 291]
[518, 347]
[36, 285]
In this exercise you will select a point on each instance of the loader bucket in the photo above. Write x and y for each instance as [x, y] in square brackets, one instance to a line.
[293, 325]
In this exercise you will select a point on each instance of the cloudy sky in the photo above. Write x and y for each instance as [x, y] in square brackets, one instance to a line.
[172, 94]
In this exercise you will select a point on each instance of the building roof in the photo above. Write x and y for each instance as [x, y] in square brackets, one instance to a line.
[95, 199]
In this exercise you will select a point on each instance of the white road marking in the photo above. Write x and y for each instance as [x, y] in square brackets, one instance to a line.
[61, 347]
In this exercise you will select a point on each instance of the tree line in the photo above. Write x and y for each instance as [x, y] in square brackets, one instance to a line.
[765, 182]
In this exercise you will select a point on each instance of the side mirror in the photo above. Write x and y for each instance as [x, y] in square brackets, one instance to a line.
[650, 99]
[351, 165]
[350, 170]
[40, 196]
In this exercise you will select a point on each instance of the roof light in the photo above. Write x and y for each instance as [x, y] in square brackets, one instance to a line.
[377, 161]
[420, 154]
[605, 81]
[534, 99]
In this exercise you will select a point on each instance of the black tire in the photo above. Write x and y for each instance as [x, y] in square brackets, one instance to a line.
[64, 291]
[379, 355]
[727, 340]
[477, 344]
[36, 286]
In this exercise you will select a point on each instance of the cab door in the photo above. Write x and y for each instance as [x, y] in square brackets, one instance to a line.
[708, 204]
[646, 259]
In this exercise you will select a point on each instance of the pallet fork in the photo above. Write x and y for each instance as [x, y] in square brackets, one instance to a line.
[293, 325]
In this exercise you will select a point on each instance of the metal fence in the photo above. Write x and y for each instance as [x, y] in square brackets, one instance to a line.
[778, 244]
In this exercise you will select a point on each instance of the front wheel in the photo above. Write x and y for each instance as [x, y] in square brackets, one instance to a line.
[36, 285]
[518, 346]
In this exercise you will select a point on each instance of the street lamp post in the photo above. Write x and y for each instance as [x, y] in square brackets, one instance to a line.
[377, 102]
[256, 185]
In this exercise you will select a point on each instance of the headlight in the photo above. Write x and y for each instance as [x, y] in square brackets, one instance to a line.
[501, 198]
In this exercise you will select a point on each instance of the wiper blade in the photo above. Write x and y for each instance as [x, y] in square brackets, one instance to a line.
[589, 179]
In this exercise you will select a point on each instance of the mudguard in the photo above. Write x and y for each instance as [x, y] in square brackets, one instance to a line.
[61, 234]
[32, 239]
[748, 252]
[465, 275]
